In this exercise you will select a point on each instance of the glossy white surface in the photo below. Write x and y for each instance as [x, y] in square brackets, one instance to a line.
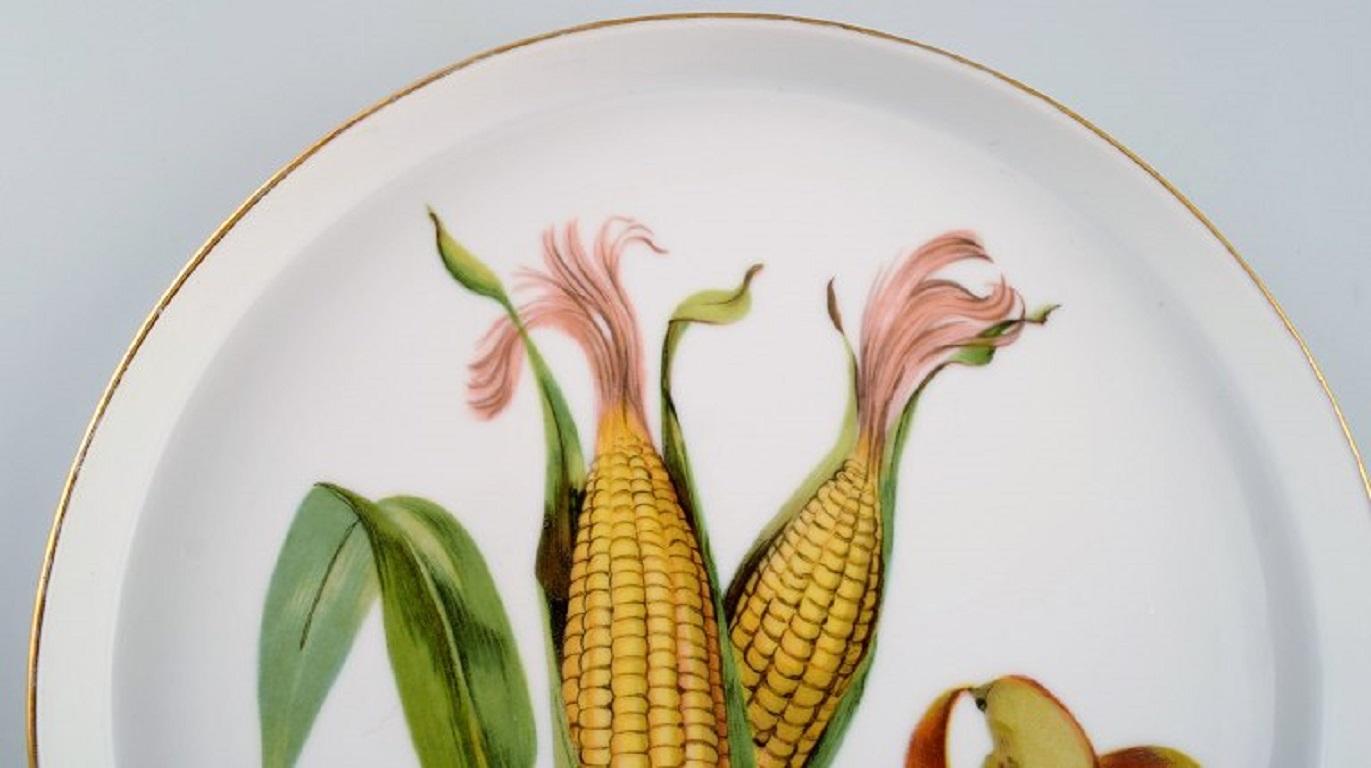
[1193, 564]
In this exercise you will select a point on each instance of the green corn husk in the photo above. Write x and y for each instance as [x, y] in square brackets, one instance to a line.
[713, 307]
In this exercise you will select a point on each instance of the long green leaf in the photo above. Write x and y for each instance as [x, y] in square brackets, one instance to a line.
[321, 589]
[564, 473]
[713, 307]
[451, 647]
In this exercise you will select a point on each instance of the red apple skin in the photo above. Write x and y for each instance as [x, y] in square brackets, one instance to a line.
[928, 744]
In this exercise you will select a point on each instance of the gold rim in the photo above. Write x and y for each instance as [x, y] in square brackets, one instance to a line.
[40, 601]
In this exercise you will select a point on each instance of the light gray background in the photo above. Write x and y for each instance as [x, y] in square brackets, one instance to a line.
[129, 131]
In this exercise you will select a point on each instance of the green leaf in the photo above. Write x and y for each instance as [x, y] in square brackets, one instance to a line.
[711, 307]
[718, 307]
[714, 307]
[976, 354]
[564, 474]
[451, 647]
[321, 589]
[563, 751]
[1040, 315]
[461, 264]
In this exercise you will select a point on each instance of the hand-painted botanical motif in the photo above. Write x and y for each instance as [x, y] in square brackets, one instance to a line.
[654, 662]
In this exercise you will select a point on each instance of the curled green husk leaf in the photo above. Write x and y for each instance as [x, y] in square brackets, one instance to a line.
[711, 307]
[468, 270]
[975, 355]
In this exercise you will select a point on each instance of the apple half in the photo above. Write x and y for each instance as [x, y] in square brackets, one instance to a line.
[1029, 728]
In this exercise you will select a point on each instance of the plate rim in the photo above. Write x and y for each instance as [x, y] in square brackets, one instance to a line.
[208, 246]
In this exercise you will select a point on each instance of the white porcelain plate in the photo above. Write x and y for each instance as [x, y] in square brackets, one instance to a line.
[1146, 504]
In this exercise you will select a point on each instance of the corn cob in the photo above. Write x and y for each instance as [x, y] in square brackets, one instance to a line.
[804, 606]
[641, 674]
[807, 613]
[639, 646]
